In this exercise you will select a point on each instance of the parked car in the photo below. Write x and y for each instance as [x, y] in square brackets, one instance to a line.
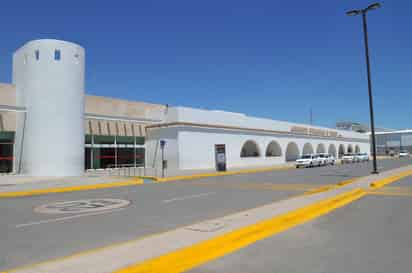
[361, 157]
[348, 158]
[404, 154]
[309, 160]
[327, 159]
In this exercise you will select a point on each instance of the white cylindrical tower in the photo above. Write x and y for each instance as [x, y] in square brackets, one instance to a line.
[49, 79]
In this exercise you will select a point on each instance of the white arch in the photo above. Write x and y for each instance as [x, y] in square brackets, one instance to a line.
[250, 149]
[307, 149]
[292, 152]
[332, 150]
[273, 149]
[321, 149]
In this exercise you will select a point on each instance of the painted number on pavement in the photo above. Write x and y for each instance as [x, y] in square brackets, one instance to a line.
[82, 206]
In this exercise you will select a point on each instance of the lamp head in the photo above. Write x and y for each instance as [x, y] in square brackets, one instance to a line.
[353, 12]
[374, 6]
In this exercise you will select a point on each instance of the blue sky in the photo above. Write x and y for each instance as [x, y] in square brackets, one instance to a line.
[273, 59]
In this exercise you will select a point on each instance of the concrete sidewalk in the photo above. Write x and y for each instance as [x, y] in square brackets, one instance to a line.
[190, 246]
[20, 185]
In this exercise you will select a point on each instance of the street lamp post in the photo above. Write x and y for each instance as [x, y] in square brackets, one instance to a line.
[365, 33]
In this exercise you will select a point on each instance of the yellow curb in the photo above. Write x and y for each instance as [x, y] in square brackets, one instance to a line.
[349, 181]
[215, 174]
[386, 181]
[193, 256]
[320, 189]
[135, 181]
[330, 187]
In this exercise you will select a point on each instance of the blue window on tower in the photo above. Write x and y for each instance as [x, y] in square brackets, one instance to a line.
[57, 55]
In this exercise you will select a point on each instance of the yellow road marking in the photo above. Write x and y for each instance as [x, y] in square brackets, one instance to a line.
[72, 188]
[187, 258]
[386, 181]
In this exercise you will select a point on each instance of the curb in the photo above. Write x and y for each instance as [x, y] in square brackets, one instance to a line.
[132, 182]
[215, 174]
[389, 180]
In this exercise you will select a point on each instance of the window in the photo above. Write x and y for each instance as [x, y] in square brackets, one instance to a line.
[37, 54]
[77, 58]
[57, 55]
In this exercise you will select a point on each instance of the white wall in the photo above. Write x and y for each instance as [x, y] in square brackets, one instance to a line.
[52, 91]
[154, 153]
[196, 147]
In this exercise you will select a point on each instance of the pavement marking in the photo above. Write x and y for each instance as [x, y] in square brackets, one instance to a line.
[54, 220]
[189, 257]
[131, 182]
[81, 206]
[188, 197]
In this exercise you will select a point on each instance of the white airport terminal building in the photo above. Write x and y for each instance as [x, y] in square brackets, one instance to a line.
[50, 127]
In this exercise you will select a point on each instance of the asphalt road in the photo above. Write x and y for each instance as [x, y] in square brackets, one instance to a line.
[371, 235]
[28, 237]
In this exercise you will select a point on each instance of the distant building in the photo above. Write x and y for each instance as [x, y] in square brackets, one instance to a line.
[358, 127]
[352, 126]
[393, 142]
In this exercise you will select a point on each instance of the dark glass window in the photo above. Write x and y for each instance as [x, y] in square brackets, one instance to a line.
[57, 55]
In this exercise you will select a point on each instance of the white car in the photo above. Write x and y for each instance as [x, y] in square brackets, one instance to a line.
[361, 157]
[309, 160]
[327, 159]
[348, 158]
[403, 154]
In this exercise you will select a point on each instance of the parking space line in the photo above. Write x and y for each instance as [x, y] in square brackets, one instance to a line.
[188, 197]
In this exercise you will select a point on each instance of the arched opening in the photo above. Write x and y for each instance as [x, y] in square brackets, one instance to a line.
[341, 150]
[307, 149]
[357, 149]
[273, 149]
[332, 150]
[292, 152]
[350, 149]
[321, 149]
[250, 149]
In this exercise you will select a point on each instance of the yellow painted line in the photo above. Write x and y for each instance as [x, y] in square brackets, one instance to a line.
[134, 181]
[330, 187]
[190, 257]
[320, 189]
[386, 181]
[215, 174]
[346, 182]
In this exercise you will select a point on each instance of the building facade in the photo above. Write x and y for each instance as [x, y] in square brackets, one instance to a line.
[50, 127]
[393, 142]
